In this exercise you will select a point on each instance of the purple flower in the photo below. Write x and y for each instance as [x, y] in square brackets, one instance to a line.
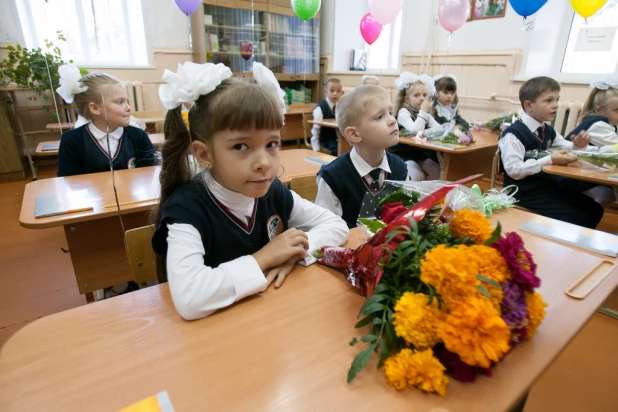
[513, 306]
[465, 139]
[456, 368]
[521, 264]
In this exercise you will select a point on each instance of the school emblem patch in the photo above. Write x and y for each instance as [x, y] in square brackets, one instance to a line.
[131, 163]
[275, 226]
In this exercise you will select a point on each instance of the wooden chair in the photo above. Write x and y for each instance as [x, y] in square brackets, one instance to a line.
[142, 259]
[305, 186]
[575, 110]
[307, 127]
[495, 169]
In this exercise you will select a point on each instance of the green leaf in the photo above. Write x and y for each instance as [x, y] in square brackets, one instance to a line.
[484, 291]
[360, 361]
[494, 236]
[363, 322]
[368, 309]
[369, 338]
[373, 225]
[392, 235]
[382, 287]
[487, 280]
[353, 342]
[377, 321]
[384, 352]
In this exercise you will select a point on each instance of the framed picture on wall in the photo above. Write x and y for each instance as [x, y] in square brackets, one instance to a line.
[488, 9]
[471, 10]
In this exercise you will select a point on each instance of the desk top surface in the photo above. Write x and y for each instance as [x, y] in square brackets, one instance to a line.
[483, 140]
[585, 172]
[285, 349]
[139, 188]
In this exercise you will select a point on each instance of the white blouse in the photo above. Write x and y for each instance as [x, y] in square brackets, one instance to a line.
[198, 290]
[423, 121]
[603, 134]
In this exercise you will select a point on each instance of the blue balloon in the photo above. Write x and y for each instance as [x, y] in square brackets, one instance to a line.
[527, 8]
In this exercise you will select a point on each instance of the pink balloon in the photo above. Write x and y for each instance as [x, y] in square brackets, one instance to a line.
[370, 28]
[385, 11]
[452, 14]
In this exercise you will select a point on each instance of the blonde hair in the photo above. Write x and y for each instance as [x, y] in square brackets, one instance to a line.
[598, 98]
[368, 77]
[353, 105]
[235, 104]
[96, 83]
[401, 96]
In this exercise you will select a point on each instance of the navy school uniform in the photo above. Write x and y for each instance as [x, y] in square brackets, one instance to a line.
[587, 124]
[81, 153]
[328, 135]
[224, 236]
[548, 195]
[351, 188]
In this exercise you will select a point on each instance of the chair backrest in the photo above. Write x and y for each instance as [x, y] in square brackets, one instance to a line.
[305, 186]
[142, 259]
[306, 118]
[559, 121]
[575, 110]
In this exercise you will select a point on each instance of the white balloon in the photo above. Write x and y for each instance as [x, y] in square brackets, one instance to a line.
[385, 11]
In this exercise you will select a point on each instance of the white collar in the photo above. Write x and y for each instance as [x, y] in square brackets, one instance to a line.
[98, 134]
[448, 112]
[329, 103]
[240, 205]
[363, 168]
[530, 122]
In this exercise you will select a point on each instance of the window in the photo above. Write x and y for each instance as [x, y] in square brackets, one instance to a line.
[384, 53]
[99, 33]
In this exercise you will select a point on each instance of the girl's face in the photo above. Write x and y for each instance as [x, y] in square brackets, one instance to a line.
[446, 98]
[610, 111]
[416, 95]
[115, 111]
[244, 161]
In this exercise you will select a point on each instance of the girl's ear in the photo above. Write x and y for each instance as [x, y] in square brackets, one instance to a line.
[203, 154]
[94, 109]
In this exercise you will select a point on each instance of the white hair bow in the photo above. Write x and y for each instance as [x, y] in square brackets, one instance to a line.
[191, 81]
[439, 76]
[265, 78]
[69, 82]
[406, 79]
[605, 84]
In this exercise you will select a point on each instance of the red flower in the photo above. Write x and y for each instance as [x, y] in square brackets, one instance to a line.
[521, 264]
[391, 211]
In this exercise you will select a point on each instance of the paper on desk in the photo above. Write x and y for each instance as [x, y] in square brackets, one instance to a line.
[158, 403]
[52, 204]
[321, 160]
[589, 239]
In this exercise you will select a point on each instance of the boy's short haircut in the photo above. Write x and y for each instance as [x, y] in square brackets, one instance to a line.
[533, 88]
[331, 80]
[352, 106]
[369, 77]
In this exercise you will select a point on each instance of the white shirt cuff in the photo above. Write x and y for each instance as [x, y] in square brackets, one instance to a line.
[247, 276]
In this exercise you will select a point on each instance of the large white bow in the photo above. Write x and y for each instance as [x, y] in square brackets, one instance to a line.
[265, 78]
[69, 82]
[190, 82]
[605, 84]
[406, 79]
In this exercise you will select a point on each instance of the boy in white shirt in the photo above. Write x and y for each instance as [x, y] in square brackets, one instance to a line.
[325, 137]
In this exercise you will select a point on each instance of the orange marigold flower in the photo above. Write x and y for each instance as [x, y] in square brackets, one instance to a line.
[419, 369]
[472, 224]
[416, 321]
[450, 271]
[396, 369]
[536, 312]
[475, 331]
[492, 265]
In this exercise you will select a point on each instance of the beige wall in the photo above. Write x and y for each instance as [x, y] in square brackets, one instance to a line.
[480, 75]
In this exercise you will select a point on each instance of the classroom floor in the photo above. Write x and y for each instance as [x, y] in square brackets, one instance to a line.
[36, 280]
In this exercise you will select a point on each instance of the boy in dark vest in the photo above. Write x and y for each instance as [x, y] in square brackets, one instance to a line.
[325, 137]
[545, 194]
[365, 119]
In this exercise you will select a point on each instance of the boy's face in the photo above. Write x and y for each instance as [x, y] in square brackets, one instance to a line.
[333, 91]
[378, 128]
[545, 107]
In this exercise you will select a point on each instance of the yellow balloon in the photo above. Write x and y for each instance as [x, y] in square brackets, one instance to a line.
[587, 8]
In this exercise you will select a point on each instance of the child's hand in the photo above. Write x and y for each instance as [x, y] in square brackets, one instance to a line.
[280, 272]
[292, 243]
[426, 106]
[559, 158]
[582, 140]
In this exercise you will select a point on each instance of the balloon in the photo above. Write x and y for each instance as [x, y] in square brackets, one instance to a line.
[452, 14]
[527, 8]
[246, 50]
[385, 11]
[587, 8]
[306, 9]
[188, 6]
[370, 28]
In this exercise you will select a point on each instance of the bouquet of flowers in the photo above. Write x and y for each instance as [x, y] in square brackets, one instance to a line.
[606, 159]
[447, 133]
[498, 124]
[448, 296]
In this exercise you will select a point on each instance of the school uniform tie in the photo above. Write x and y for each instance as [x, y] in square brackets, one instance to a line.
[375, 175]
[540, 133]
[334, 109]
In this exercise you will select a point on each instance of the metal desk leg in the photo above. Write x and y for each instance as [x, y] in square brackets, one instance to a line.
[442, 162]
[23, 136]
[609, 312]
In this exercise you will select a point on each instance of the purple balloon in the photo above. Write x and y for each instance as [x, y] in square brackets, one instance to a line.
[452, 14]
[188, 6]
[370, 28]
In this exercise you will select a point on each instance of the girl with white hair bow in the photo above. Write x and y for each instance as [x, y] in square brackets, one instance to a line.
[600, 113]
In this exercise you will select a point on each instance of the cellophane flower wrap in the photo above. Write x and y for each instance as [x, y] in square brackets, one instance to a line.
[448, 295]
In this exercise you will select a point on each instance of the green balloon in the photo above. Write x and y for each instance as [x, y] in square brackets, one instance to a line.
[306, 9]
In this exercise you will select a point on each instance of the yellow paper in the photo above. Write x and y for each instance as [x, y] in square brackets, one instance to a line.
[157, 403]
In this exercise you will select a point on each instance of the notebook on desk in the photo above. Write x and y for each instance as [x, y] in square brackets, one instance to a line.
[589, 239]
[321, 160]
[50, 147]
[53, 204]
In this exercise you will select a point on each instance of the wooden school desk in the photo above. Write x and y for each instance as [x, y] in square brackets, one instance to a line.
[293, 128]
[343, 145]
[95, 238]
[285, 349]
[157, 140]
[584, 172]
[465, 161]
